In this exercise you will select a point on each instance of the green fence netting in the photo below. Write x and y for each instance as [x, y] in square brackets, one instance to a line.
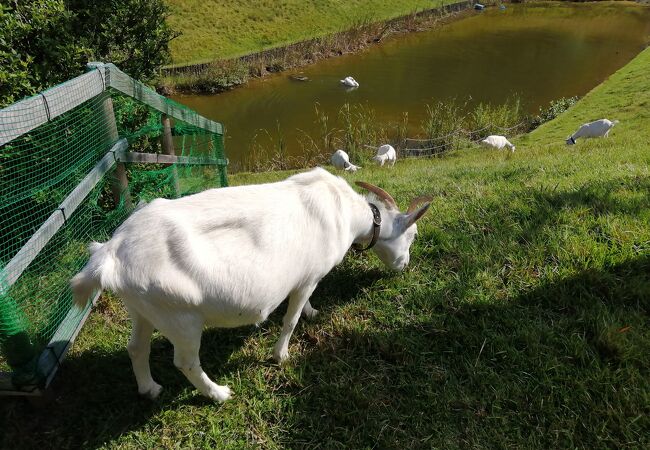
[49, 144]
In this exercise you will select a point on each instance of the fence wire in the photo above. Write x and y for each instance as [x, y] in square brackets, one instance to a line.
[48, 144]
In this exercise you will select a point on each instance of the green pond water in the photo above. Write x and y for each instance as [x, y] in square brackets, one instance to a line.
[539, 52]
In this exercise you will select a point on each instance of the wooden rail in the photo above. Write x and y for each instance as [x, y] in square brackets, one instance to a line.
[123, 83]
[26, 115]
[158, 158]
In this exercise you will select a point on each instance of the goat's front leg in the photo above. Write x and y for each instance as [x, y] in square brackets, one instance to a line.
[297, 302]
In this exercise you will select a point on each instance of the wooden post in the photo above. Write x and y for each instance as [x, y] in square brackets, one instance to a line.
[120, 183]
[168, 149]
[120, 186]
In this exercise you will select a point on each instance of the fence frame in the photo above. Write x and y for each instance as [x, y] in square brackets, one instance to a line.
[43, 108]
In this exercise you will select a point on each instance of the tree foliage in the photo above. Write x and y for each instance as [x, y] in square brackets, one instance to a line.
[45, 42]
[132, 34]
[37, 47]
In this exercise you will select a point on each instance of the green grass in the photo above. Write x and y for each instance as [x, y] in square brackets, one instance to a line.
[522, 321]
[215, 30]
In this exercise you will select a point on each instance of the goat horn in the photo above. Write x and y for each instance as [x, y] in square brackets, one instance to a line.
[385, 196]
[417, 201]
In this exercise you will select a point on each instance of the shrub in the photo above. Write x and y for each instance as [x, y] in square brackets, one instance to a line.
[554, 109]
[45, 42]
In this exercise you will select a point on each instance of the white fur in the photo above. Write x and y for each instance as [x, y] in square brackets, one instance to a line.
[341, 160]
[598, 128]
[385, 153]
[498, 142]
[350, 82]
[228, 257]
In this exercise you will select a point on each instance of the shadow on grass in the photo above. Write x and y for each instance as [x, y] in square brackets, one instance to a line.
[565, 365]
[609, 197]
[93, 399]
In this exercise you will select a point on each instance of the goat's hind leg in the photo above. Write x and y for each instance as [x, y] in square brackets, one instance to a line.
[139, 348]
[308, 311]
[187, 341]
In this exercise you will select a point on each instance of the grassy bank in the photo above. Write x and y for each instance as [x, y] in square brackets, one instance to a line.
[522, 321]
[220, 30]
[220, 74]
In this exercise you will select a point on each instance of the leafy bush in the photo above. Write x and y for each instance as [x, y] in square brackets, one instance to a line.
[132, 34]
[45, 42]
[554, 109]
[37, 48]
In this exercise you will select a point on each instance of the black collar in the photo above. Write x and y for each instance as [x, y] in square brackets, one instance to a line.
[376, 227]
[573, 140]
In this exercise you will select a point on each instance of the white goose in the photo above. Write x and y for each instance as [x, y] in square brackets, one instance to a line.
[350, 82]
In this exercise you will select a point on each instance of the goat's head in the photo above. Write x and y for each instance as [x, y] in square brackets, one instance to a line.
[570, 140]
[398, 230]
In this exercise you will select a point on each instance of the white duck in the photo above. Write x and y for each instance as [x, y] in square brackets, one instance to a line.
[350, 82]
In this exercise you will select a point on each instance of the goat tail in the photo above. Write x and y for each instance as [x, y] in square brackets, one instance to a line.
[83, 285]
[86, 282]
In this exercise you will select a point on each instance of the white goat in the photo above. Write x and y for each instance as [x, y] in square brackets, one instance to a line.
[385, 153]
[497, 142]
[228, 257]
[341, 160]
[597, 128]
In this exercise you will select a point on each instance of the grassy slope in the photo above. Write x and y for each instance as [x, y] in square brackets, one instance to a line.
[522, 321]
[215, 29]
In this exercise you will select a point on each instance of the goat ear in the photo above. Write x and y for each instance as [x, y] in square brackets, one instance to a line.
[383, 195]
[417, 202]
[412, 217]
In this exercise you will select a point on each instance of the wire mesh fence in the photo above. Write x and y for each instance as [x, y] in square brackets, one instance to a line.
[64, 182]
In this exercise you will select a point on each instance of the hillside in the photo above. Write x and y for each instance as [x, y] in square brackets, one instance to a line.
[214, 29]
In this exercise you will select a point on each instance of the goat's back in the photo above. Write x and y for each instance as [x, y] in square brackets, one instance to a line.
[495, 141]
[231, 249]
[597, 128]
[387, 151]
[340, 159]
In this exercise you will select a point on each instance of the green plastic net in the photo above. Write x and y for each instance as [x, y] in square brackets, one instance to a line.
[42, 243]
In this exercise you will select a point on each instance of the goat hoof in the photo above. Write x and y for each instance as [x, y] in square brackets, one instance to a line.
[281, 356]
[153, 392]
[310, 314]
[220, 393]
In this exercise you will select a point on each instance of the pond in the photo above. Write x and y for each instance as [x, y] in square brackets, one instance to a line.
[539, 52]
